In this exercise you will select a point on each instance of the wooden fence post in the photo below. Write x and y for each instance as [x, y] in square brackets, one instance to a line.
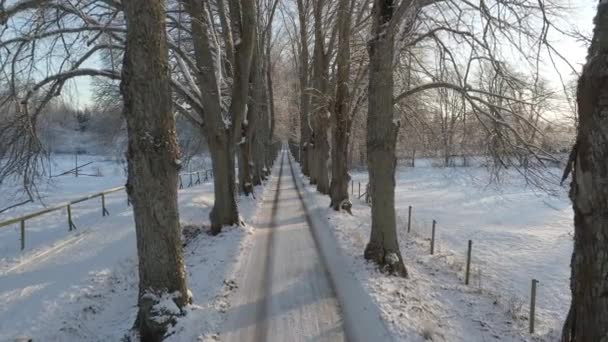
[532, 305]
[409, 218]
[466, 277]
[433, 238]
[71, 224]
[352, 187]
[22, 224]
[198, 177]
[104, 211]
[190, 184]
[359, 190]
[181, 184]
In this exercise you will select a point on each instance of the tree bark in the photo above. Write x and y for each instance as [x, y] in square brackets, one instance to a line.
[223, 129]
[227, 35]
[321, 114]
[341, 125]
[260, 140]
[304, 96]
[246, 145]
[383, 247]
[153, 166]
[260, 94]
[588, 316]
[259, 104]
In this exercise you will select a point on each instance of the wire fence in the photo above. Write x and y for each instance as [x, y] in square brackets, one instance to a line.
[192, 178]
[466, 266]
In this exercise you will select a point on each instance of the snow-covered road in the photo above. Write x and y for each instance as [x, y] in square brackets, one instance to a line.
[285, 293]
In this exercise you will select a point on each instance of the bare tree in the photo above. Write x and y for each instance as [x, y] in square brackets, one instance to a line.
[34, 35]
[153, 160]
[223, 126]
[254, 108]
[469, 38]
[319, 173]
[383, 246]
[305, 134]
[341, 112]
[587, 319]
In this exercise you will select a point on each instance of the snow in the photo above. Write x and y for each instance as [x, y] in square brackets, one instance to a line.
[83, 285]
[518, 234]
[165, 307]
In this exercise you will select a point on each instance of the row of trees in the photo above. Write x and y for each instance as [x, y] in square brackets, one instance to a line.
[474, 69]
[411, 63]
[208, 62]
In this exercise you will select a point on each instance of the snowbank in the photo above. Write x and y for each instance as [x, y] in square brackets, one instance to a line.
[83, 285]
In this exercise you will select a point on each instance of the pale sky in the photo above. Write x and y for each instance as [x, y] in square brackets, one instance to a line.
[581, 17]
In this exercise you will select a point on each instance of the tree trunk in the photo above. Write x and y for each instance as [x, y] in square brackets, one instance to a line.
[322, 151]
[227, 35]
[270, 91]
[225, 211]
[152, 158]
[311, 154]
[304, 96]
[246, 145]
[383, 247]
[259, 103]
[341, 125]
[262, 133]
[321, 115]
[588, 317]
[245, 168]
[260, 144]
[267, 129]
[414, 157]
[223, 129]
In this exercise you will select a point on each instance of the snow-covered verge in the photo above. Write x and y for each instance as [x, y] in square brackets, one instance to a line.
[213, 263]
[516, 235]
[82, 285]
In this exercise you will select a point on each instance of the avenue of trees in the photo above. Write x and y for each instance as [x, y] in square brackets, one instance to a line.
[368, 76]
[423, 74]
[458, 79]
[206, 62]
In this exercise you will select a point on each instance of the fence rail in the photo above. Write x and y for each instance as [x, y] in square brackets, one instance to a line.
[68, 205]
[58, 207]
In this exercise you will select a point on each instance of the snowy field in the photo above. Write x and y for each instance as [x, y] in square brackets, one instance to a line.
[518, 234]
[82, 285]
[103, 173]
